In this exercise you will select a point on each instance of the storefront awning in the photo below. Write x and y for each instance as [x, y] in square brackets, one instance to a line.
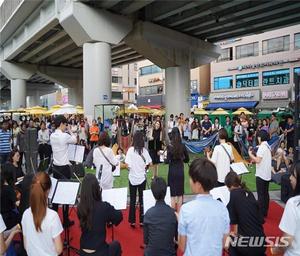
[273, 104]
[232, 105]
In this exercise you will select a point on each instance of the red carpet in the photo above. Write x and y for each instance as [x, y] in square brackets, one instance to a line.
[132, 239]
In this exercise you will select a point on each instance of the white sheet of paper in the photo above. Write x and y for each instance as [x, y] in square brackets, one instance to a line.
[71, 152]
[117, 197]
[149, 200]
[66, 192]
[79, 154]
[53, 185]
[117, 171]
[221, 193]
[239, 168]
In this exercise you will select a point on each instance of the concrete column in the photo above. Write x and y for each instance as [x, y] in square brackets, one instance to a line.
[177, 91]
[18, 93]
[96, 75]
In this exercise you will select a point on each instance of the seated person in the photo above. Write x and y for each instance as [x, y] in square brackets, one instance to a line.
[13, 166]
[160, 223]
[94, 215]
[279, 160]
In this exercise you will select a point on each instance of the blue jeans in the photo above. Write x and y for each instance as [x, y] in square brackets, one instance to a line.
[3, 158]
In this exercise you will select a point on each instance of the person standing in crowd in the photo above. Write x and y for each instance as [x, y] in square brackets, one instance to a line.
[15, 132]
[263, 161]
[94, 215]
[265, 126]
[245, 217]
[245, 125]
[5, 142]
[289, 133]
[105, 162]
[238, 132]
[216, 126]
[186, 130]
[290, 220]
[195, 129]
[44, 140]
[203, 215]
[171, 124]
[274, 126]
[160, 223]
[155, 145]
[74, 127]
[12, 165]
[252, 132]
[137, 161]
[21, 142]
[94, 134]
[222, 157]
[114, 132]
[206, 126]
[60, 141]
[177, 155]
[229, 129]
[126, 127]
[41, 226]
[82, 133]
[31, 148]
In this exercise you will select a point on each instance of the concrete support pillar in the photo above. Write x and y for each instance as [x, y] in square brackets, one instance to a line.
[177, 91]
[96, 75]
[18, 93]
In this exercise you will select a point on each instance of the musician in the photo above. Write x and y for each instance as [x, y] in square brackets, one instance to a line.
[60, 141]
[94, 215]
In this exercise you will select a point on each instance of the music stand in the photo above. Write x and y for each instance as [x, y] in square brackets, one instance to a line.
[65, 193]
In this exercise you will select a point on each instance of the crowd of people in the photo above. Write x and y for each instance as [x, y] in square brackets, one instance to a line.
[143, 143]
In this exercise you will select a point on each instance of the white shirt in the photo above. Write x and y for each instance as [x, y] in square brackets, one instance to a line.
[107, 180]
[2, 225]
[238, 129]
[41, 243]
[264, 168]
[60, 141]
[137, 166]
[114, 129]
[171, 125]
[43, 136]
[221, 160]
[290, 224]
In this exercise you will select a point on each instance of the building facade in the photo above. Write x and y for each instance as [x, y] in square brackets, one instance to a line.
[256, 71]
[151, 84]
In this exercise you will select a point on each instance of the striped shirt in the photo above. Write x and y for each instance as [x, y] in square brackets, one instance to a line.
[5, 139]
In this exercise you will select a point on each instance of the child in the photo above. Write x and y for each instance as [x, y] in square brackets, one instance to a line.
[203, 215]
[120, 155]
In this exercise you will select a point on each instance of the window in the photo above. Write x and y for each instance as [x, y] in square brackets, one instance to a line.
[297, 70]
[247, 80]
[151, 90]
[278, 44]
[247, 50]
[117, 95]
[194, 86]
[150, 70]
[226, 54]
[223, 82]
[281, 76]
[297, 41]
[116, 79]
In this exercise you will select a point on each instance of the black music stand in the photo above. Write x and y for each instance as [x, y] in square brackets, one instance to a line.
[65, 193]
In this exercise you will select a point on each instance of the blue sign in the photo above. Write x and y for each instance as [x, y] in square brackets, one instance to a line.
[194, 99]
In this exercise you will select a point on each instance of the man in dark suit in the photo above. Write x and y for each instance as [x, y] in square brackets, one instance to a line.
[160, 223]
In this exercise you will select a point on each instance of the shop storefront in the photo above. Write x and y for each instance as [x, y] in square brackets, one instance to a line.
[273, 99]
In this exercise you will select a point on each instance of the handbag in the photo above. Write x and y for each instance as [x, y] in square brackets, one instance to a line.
[113, 167]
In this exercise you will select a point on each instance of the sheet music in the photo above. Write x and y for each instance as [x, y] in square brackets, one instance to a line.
[75, 153]
[240, 168]
[221, 193]
[117, 171]
[149, 200]
[117, 197]
[66, 192]
[53, 186]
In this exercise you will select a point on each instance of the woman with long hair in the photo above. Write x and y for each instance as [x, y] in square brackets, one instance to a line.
[94, 215]
[41, 226]
[105, 162]
[155, 145]
[12, 165]
[137, 161]
[245, 217]
[177, 155]
[290, 220]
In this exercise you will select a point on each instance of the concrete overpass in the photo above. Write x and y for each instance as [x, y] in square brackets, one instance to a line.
[75, 43]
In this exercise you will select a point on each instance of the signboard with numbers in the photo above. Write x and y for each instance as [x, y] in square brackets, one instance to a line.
[247, 80]
[276, 77]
